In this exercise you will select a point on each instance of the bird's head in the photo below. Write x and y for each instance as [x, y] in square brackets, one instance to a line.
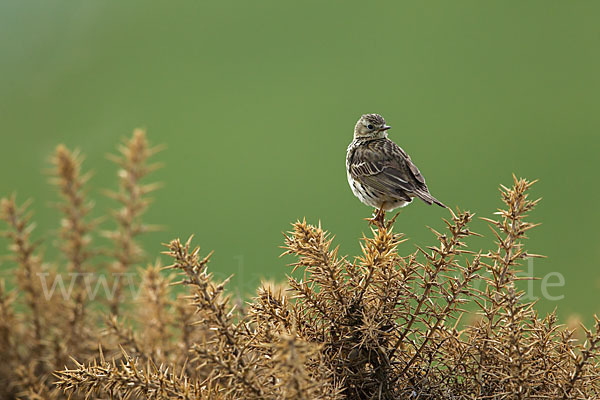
[371, 126]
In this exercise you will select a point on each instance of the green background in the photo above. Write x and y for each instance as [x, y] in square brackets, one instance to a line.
[256, 101]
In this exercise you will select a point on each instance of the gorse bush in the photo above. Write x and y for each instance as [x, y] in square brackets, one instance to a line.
[379, 326]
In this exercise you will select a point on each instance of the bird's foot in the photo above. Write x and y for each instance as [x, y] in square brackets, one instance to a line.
[379, 221]
[378, 218]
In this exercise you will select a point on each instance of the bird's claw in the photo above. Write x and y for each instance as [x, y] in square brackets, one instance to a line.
[378, 218]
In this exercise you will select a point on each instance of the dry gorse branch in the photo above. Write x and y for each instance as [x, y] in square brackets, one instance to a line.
[75, 239]
[132, 196]
[384, 325]
[47, 317]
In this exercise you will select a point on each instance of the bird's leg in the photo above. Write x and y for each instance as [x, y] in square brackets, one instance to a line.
[381, 219]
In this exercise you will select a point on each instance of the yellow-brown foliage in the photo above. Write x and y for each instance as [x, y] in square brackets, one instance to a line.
[383, 325]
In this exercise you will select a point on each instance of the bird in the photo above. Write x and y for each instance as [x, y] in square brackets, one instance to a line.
[380, 173]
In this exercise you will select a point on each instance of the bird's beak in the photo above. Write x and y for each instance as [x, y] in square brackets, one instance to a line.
[384, 128]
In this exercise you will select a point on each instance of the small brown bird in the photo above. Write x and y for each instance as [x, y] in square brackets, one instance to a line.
[380, 173]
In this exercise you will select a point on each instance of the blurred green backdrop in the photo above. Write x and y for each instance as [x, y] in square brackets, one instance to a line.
[256, 102]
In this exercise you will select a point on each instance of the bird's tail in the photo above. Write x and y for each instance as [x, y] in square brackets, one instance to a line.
[428, 198]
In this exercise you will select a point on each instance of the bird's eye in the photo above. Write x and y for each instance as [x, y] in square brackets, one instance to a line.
[370, 126]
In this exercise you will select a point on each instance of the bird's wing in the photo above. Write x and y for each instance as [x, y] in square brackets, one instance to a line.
[383, 165]
[411, 166]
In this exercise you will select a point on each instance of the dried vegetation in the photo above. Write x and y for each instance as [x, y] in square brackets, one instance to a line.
[383, 325]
